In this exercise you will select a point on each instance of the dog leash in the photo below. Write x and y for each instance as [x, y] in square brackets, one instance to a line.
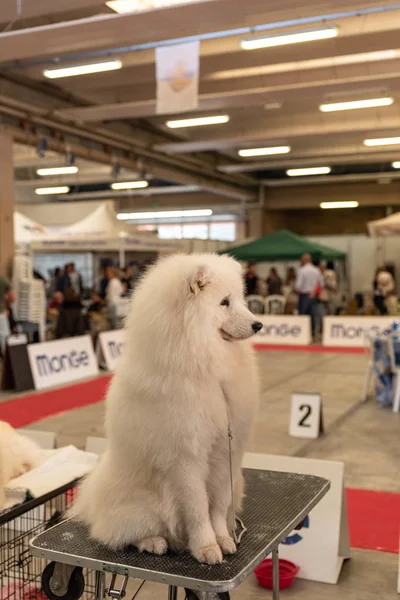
[235, 519]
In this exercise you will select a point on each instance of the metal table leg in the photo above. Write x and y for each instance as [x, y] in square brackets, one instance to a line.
[100, 591]
[172, 592]
[275, 574]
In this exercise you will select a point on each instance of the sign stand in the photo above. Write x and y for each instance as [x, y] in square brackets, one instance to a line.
[17, 374]
[321, 547]
[110, 345]
[306, 419]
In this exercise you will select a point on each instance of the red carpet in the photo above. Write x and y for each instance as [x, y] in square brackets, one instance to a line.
[374, 520]
[34, 407]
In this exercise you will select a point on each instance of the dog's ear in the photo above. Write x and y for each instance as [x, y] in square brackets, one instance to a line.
[199, 279]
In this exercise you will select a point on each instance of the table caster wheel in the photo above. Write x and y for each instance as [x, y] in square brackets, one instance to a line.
[76, 584]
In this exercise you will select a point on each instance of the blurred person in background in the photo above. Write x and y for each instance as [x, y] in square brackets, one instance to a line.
[4, 323]
[309, 282]
[274, 283]
[330, 288]
[97, 315]
[56, 302]
[11, 297]
[70, 279]
[291, 277]
[130, 277]
[114, 286]
[251, 280]
[113, 293]
[385, 287]
[70, 321]
[102, 282]
[53, 312]
[54, 280]
[75, 279]
[379, 298]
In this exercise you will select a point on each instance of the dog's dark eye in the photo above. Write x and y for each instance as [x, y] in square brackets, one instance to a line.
[225, 302]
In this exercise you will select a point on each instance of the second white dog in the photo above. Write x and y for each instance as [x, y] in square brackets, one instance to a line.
[185, 376]
[18, 454]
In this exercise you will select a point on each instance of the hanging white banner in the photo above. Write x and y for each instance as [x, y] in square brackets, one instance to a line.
[177, 74]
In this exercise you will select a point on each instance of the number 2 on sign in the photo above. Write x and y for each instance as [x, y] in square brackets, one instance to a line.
[306, 410]
[306, 416]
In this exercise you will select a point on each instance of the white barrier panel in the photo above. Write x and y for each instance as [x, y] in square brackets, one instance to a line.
[320, 548]
[44, 439]
[62, 361]
[351, 331]
[96, 445]
[283, 329]
[111, 346]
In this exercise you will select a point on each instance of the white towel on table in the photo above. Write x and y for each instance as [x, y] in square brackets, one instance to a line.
[58, 468]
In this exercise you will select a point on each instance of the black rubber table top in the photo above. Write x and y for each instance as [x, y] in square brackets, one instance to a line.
[275, 504]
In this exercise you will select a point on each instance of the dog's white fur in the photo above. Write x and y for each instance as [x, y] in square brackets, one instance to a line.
[18, 454]
[164, 479]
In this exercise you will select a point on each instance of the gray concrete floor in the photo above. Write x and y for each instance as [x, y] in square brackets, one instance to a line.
[362, 435]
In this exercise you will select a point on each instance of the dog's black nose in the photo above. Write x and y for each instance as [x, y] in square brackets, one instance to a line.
[256, 326]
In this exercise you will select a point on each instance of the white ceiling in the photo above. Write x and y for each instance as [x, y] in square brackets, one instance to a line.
[271, 95]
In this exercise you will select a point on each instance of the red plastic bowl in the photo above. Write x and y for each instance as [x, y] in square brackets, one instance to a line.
[287, 573]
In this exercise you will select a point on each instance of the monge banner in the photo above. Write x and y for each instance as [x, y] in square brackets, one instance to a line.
[62, 361]
[283, 329]
[353, 331]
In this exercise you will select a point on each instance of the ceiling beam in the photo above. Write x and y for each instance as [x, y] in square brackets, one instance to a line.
[309, 84]
[276, 134]
[339, 158]
[308, 196]
[198, 17]
[38, 8]
[147, 108]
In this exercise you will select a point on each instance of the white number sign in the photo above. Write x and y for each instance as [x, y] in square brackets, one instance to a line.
[306, 416]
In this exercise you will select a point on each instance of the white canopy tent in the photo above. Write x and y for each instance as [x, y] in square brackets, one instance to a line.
[101, 230]
[389, 226]
[27, 230]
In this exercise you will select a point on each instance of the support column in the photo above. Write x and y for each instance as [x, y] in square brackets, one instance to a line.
[255, 222]
[7, 200]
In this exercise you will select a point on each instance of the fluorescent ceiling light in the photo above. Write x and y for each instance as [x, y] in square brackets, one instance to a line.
[382, 141]
[57, 171]
[355, 104]
[127, 6]
[273, 105]
[302, 65]
[293, 37]
[345, 204]
[62, 189]
[396, 164]
[129, 185]
[308, 171]
[165, 214]
[197, 122]
[247, 152]
[99, 67]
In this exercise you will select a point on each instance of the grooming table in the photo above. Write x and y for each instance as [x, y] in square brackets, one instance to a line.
[275, 504]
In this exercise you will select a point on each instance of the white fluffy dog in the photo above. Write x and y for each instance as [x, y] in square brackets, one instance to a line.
[18, 454]
[186, 373]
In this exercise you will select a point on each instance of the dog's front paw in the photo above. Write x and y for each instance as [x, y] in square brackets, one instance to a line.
[154, 545]
[227, 544]
[211, 555]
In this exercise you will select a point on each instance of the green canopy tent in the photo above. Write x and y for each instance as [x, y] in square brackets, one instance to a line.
[282, 246]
